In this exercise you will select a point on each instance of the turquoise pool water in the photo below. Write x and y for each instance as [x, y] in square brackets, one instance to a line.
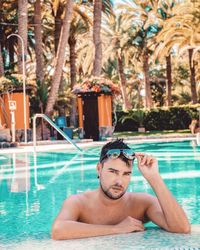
[32, 190]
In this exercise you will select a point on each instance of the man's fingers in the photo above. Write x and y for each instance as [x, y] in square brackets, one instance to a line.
[144, 159]
[149, 160]
[137, 221]
[138, 229]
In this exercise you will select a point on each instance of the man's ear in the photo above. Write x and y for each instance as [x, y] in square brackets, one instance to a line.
[99, 167]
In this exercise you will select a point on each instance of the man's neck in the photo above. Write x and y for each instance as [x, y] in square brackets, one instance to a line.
[106, 201]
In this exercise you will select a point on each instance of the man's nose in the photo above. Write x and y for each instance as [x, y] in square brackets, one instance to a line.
[119, 180]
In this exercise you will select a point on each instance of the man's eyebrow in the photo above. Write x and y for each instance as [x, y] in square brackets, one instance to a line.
[113, 169]
[128, 172]
[116, 170]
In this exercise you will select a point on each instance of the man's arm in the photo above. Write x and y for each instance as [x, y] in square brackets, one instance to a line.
[66, 225]
[165, 210]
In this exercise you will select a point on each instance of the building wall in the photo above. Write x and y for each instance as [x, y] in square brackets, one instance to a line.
[19, 112]
[80, 111]
[105, 110]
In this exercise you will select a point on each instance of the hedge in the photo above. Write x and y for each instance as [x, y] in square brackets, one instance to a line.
[172, 118]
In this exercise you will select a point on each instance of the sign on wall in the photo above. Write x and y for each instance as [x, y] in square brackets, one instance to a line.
[12, 105]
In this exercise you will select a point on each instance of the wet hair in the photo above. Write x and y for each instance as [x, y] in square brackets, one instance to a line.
[116, 144]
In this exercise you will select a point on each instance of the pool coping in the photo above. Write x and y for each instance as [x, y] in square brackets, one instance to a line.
[61, 145]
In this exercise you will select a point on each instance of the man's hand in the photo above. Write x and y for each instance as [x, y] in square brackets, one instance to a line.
[148, 165]
[129, 225]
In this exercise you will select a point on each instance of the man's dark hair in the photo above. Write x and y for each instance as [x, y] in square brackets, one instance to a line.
[116, 144]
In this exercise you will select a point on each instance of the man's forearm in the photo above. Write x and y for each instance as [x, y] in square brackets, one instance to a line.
[174, 215]
[64, 230]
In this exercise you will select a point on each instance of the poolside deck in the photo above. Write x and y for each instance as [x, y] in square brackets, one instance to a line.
[84, 143]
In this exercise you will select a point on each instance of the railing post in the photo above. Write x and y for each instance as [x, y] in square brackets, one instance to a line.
[54, 126]
[34, 133]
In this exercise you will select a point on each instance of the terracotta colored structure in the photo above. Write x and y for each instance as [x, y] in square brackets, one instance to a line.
[19, 112]
[95, 115]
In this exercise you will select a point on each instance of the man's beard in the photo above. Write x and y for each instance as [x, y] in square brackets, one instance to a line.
[110, 195]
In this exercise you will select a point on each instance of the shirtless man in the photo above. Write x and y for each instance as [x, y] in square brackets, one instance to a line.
[110, 209]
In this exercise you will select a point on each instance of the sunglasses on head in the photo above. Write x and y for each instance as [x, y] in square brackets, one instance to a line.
[115, 153]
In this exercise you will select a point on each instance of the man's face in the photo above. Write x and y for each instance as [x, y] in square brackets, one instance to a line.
[114, 177]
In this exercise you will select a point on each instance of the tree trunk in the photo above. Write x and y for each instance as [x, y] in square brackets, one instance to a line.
[58, 26]
[38, 42]
[60, 58]
[148, 97]
[1, 57]
[57, 32]
[139, 102]
[11, 52]
[169, 80]
[97, 37]
[192, 77]
[72, 46]
[126, 103]
[22, 30]
[1, 63]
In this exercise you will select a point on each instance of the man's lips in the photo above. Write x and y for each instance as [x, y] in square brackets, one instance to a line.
[116, 188]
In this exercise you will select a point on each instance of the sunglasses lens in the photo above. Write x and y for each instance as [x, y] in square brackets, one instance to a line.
[129, 154]
[113, 154]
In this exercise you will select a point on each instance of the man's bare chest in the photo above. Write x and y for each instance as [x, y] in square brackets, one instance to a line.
[107, 216]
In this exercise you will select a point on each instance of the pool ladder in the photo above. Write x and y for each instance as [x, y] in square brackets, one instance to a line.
[46, 118]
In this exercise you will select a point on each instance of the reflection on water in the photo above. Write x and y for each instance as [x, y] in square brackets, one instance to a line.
[21, 175]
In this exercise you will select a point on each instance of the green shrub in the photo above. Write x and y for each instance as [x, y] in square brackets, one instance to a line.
[172, 118]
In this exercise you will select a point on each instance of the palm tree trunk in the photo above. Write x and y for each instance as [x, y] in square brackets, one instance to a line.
[57, 32]
[22, 30]
[60, 58]
[139, 102]
[58, 26]
[1, 57]
[11, 52]
[169, 80]
[72, 46]
[126, 103]
[148, 97]
[97, 37]
[38, 42]
[192, 77]
[1, 63]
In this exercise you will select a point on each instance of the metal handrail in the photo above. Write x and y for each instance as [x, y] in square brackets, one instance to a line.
[198, 139]
[54, 126]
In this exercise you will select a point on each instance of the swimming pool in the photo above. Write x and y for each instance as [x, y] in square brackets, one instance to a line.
[32, 189]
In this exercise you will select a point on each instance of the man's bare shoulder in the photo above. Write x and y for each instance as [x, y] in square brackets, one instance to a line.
[141, 197]
[79, 199]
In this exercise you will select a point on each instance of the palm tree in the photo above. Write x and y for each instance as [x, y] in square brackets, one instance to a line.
[60, 58]
[142, 14]
[22, 30]
[99, 6]
[165, 12]
[58, 9]
[118, 39]
[1, 58]
[97, 37]
[80, 25]
[192, 76]
[1, 63]
[169, 80]
[182, 31]
[38, 42]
